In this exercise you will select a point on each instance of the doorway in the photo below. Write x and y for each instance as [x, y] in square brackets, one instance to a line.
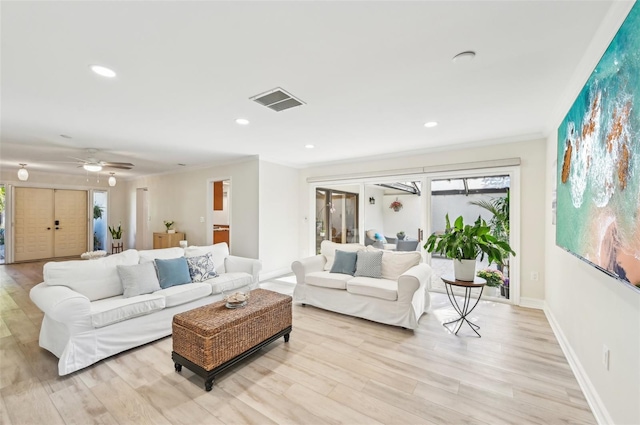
[2, 220]
[49, 223]
[221, 194]
[100, 220]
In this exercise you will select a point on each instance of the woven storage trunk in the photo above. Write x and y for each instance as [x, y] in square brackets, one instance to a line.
[213, 334]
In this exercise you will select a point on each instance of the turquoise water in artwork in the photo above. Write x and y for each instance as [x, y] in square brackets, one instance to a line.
[598, 191]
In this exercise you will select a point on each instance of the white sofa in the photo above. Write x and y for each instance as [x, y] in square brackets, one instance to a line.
[398, 298]
[87, 318]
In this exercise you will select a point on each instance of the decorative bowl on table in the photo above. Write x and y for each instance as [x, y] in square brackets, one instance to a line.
[236, 299]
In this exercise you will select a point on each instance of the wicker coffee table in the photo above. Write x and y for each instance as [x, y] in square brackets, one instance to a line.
[209, 339]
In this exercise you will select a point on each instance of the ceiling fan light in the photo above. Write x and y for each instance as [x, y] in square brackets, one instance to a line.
[112, 180]
[23, 174]
[92, 167]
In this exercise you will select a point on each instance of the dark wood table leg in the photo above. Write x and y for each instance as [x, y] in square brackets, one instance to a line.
[178, 367]
[286, 337]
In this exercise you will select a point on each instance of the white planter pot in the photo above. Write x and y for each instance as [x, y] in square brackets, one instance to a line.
[171, 231]
[464, 270]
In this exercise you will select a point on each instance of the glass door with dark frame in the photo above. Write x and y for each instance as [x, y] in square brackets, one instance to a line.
[336, 216]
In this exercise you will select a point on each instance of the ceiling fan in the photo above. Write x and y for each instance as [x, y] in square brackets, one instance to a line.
[95, 165]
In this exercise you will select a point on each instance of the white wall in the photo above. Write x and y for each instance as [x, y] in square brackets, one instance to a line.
[373, 213]
[182, 197]
[457, 205]
[590, 310]
[279, 218]
[532, 207]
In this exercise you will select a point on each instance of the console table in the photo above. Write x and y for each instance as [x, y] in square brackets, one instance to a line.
[466, 308]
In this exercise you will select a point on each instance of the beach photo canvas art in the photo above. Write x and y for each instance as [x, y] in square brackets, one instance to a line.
[598, 173]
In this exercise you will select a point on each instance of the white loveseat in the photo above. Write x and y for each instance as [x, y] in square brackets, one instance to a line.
[398, 298]
[87, 318]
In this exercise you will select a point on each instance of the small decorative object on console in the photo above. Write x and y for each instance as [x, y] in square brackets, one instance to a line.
[168, 224]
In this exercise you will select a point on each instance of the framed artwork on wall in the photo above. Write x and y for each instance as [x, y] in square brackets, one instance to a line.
[598, 162]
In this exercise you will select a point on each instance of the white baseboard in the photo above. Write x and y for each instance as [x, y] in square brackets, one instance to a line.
[597, 406]
[531, 303]
[273, 273]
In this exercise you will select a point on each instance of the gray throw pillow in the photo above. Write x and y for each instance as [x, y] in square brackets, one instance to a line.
[344, 262]
[138, 279]
[172, 272]
[202, 268]
[369, 264]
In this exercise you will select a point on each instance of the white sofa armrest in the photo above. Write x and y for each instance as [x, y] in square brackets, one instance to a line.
[233, 264]
[411, 280]
[63, 305]
[303, 267]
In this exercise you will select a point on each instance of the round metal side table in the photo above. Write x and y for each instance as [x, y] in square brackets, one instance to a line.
[466, 308]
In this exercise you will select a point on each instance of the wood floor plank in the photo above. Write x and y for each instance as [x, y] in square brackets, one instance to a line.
[126, 405]
[326, 408]
[4, 414]
[27, 402]
[77, 405]
[279, 409]
[230, 410]
[14, 367]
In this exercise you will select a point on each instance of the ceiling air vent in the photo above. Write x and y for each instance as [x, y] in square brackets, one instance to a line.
[277, 100]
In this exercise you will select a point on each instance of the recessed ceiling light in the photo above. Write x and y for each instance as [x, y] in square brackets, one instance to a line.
[464, 57]
[103, 71]
[430, 124]
[242, 121]
[309, 146]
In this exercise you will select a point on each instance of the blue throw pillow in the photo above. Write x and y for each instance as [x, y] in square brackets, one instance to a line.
[344, 262]
[173, 272]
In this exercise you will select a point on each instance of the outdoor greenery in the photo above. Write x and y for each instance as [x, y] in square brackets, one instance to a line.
[467, 242]
[97, 212]
[499, 223]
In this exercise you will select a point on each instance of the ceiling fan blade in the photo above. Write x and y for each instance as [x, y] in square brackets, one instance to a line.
[114, 165]
[110, 164]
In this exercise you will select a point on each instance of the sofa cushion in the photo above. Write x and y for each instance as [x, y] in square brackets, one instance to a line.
[202, 267]
[369, 264]
[328, 249]
[95, 279]
[149, 255]
[328, 279]
[172, 272]
[229, 281]
[218, 251]
[116, 309]
[379, 288]
[344, 262]
[138, 279]
[394, 263]
[176, 295]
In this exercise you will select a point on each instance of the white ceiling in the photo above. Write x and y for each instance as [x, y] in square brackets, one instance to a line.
[371, 74]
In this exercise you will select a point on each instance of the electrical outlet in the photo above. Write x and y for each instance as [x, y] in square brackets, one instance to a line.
[201, 219]
[605, 357]
[534, 276]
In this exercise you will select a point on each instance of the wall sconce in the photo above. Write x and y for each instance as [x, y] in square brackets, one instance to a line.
[23, 174]
[372, 200]
[112, 180]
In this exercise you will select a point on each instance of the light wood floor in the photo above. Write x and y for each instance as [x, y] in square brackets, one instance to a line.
[335, 369]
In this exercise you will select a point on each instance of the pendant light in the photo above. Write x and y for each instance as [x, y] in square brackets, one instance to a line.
[23, 174]
[112, 180]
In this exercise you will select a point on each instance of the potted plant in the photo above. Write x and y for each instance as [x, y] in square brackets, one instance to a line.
[396, 205]
[401, 235]
[168, 224]
[464, 243]
[495, 279]
[116, 232]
